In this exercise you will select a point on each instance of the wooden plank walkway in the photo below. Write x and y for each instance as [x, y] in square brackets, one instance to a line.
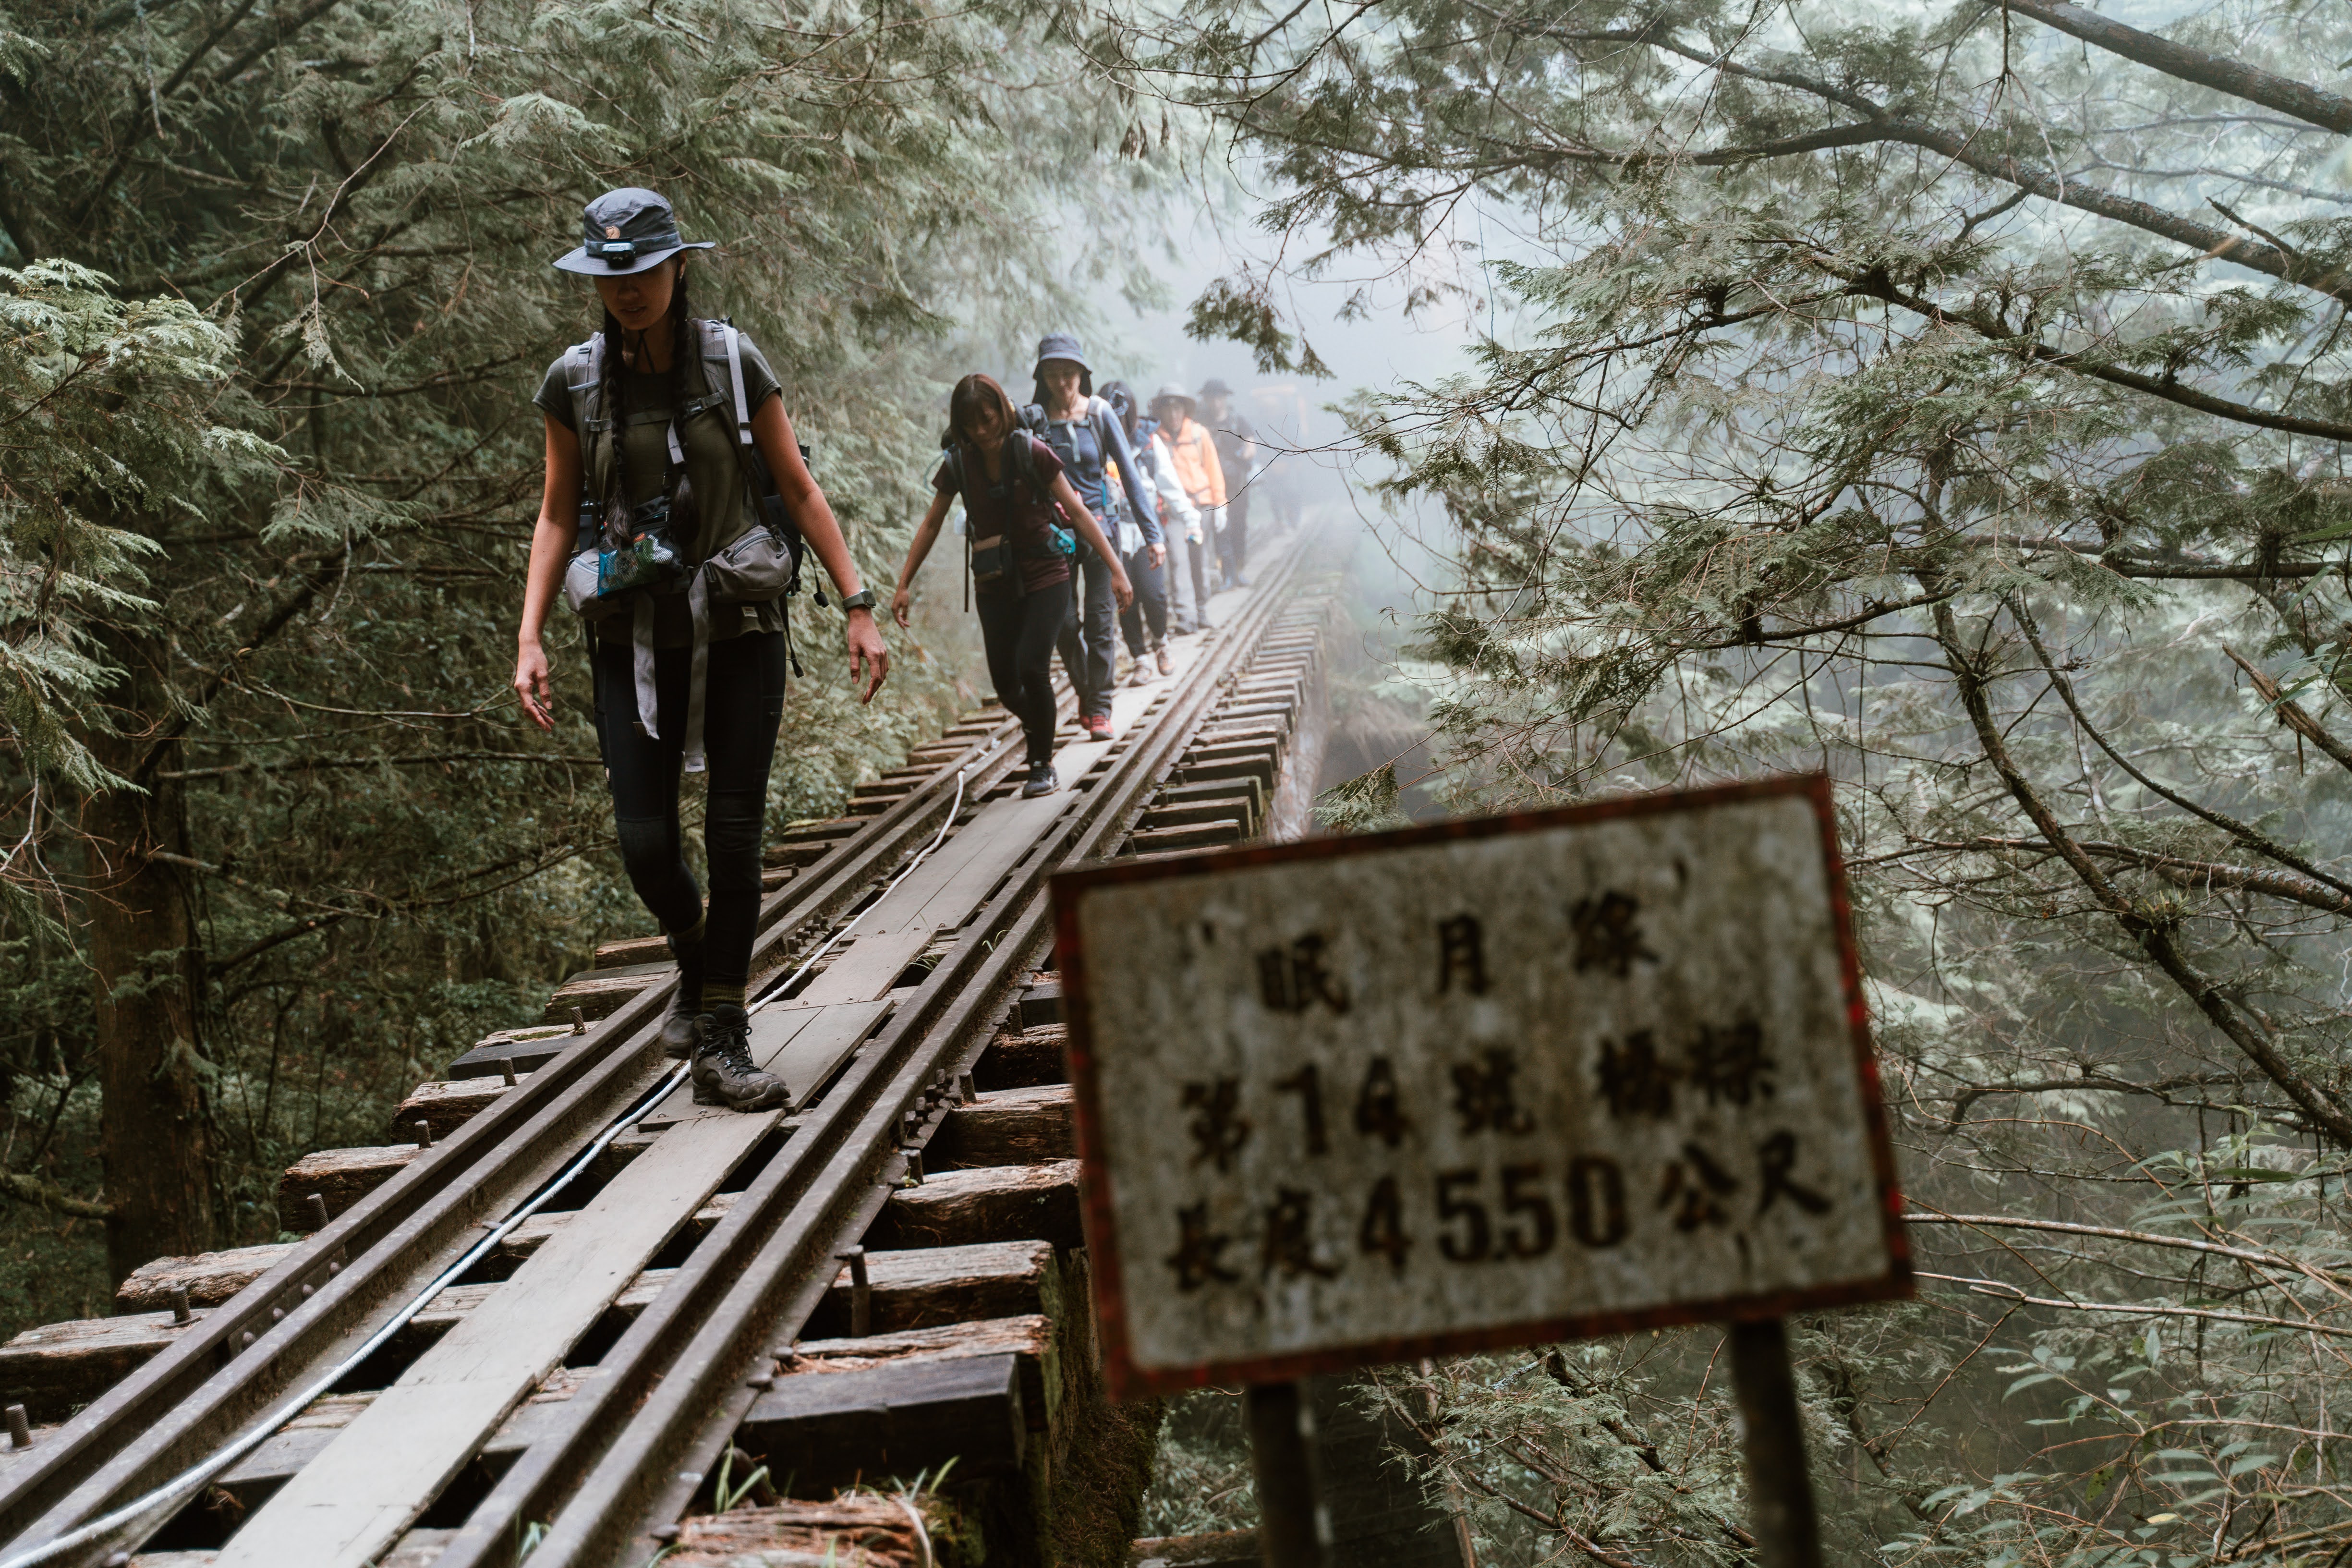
[353, 1500]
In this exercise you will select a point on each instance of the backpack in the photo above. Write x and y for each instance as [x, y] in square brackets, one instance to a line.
[990, 562]
[759, 565]
[777, 573]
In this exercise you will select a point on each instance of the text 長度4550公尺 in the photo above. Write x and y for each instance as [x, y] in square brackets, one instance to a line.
[1520, 1078]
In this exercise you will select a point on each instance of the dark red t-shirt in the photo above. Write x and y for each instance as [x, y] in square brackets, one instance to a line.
[1009, 505]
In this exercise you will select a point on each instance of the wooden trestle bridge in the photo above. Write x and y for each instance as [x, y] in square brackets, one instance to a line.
[567, 1313]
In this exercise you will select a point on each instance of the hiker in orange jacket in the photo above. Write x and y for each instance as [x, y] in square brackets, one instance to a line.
[1194, 453]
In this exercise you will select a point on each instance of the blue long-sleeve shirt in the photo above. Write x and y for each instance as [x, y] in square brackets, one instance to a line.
[1086, 446]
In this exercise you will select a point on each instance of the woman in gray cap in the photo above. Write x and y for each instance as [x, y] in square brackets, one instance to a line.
[1087, 435]
[676, 505]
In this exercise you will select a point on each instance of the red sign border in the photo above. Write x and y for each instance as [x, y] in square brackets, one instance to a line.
[1129, 1381]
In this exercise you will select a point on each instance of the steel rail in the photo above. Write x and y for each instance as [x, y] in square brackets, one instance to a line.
[633, 1442]
[348, 1277]
[134, 1517]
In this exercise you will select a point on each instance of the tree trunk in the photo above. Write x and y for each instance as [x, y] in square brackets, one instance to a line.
[153, 1134]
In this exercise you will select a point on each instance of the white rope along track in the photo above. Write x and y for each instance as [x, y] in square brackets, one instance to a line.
[776, 990]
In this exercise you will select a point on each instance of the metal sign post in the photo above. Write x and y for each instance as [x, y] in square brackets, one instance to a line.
[1485, 1083]
[1282, 1461]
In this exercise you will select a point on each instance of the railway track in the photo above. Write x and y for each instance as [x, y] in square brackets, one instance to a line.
[571, 1307]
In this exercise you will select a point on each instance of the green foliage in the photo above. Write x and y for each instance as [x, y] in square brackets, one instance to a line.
[276, 297]
[1956, 406]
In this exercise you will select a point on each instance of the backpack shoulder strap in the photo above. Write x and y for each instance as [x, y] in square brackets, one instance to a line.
[584, 378]
[1025, 458]
[722, 335]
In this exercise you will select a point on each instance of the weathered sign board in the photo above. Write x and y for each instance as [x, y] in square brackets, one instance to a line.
[1488, 1082]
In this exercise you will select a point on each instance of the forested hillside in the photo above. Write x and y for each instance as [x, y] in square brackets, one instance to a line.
[1952, 397]
[274, 296]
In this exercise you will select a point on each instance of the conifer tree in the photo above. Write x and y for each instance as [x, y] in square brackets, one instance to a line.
[276, 297]
[1953, 396]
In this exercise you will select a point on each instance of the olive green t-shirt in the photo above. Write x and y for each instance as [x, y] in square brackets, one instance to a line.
[708, 441]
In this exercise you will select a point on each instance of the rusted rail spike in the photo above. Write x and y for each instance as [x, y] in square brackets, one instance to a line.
[630, 1451]
[196, 1397]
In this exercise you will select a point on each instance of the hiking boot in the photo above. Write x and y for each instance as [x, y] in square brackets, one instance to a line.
[1097, 725]
[1167, 664]
[724, 1073]
[1041, 781]
[678, 1031]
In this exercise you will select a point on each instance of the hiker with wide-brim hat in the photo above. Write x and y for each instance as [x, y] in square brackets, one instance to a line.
[1194, 455]
[1087, 435]
[677, 509]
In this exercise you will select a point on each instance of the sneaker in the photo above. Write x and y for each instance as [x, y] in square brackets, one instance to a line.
[1167, 664]
[1241, 580]
[1141, 675]
[679, 1030]
[1097, 725]
[724, 1073]
[1041, 781]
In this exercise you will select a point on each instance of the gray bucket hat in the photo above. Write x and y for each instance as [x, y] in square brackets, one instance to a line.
[1061, 345]
[1173, 392]
[624, 231]
[1213, 387]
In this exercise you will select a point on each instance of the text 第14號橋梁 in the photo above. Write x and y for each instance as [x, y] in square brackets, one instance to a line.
[1514, 1079]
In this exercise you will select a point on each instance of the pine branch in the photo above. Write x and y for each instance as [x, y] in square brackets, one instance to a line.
[301, 927]
[421, 759]
[2154, 938]
[2174, 869]
[2001, 1290]
[2324, 109]
[1967, 150]
[142, 122]
[2106, 1232]
[2292, 713]
[1872, 284]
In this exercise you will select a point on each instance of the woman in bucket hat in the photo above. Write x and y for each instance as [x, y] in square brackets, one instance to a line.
[668, 454]
[1087, 436]
[1193, 454]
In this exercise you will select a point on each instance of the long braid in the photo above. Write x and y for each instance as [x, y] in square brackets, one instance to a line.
[616, 411]
[685, 349]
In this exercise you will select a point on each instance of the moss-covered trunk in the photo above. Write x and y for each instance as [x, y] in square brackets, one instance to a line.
[144, 973]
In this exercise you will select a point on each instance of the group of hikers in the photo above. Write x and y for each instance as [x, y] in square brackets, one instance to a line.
[1091, 519]
[678, 509]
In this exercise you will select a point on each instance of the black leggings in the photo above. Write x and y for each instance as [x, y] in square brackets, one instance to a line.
[743, 704]
[1020, 634]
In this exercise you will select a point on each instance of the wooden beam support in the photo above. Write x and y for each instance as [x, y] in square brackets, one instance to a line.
[1006, 1127]
[821, 1429]
[600, 993]
[942, 1285]
[1001, 1203]
[1023, 1059]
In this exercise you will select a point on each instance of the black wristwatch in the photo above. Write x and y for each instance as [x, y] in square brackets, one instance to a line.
[861, 600]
